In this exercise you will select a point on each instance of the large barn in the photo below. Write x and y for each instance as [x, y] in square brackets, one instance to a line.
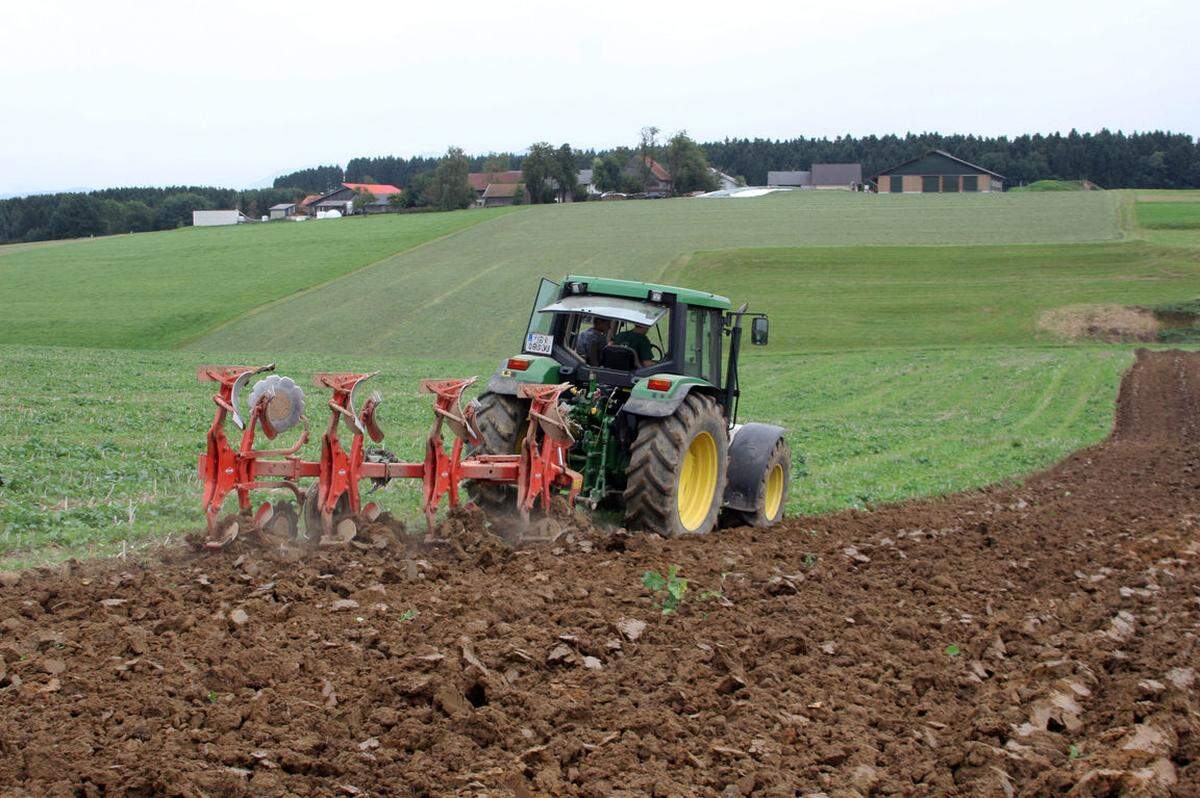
[937, 171]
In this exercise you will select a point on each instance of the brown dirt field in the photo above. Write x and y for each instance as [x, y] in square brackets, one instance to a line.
[1030, 640]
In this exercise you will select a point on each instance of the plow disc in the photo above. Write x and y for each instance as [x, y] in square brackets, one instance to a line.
[332, 506]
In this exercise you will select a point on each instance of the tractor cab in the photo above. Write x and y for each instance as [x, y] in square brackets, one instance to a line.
[622, 333]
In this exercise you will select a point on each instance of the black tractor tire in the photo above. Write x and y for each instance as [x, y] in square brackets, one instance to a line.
[657, 463]
[778, 471]
[501, 421]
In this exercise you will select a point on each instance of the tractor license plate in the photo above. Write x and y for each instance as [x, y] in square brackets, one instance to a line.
[539, 343]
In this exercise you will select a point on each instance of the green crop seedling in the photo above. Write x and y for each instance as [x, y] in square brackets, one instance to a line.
[670, 588]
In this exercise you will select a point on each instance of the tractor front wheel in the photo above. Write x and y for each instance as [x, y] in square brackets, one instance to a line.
[501, 421]
[676, 477]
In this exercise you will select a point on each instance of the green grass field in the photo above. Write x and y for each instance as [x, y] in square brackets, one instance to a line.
[848, 298]
[1169, 215]
[159, 290]
[905, 356]
[101, 448]
[474, 289]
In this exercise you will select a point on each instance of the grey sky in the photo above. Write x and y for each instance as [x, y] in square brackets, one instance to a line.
[227, 93]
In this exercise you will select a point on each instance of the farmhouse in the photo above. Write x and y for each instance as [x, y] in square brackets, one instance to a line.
[937, 171]
[498, 194]
[342, 198]
[481, 180]
[218, 218]
[284, 210]
[846, 176]
[658, 179]
[585, 181]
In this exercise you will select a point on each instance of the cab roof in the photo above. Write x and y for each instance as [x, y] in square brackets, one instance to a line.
[633, 289]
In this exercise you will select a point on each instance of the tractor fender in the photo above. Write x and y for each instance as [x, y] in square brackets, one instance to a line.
[750, 447]
[665, 406]
[506, 381]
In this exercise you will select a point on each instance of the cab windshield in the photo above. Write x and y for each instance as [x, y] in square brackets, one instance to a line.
[613, 332]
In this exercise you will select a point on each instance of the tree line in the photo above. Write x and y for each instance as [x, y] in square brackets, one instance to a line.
[1111, 160]
[1153, 159]
[125, 210]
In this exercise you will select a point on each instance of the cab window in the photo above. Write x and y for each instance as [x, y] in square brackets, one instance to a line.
[702, 344]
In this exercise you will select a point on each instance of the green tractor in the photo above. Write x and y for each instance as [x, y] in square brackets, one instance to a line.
[652, 405]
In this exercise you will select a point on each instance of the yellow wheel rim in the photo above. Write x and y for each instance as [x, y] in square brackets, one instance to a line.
[697, 481]
[774, 496]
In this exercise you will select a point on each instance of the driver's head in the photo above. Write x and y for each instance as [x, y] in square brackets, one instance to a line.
[600, 324]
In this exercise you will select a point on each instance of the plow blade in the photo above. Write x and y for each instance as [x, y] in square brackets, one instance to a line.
[332, 506]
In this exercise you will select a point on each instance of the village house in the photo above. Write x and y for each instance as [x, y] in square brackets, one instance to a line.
[284, 210]
[341, 199]
[498, 194]
[658, 179]
[481, 180]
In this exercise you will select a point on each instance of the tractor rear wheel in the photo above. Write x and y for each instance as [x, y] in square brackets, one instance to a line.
[676, 477]
[501, 422]
[773, 491]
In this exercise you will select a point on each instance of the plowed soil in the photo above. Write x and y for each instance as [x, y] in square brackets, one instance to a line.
[1037, 639]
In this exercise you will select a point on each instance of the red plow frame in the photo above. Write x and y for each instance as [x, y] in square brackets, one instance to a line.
[539, 469]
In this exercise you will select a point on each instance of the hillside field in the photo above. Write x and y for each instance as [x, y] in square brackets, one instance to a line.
[159, 290]
[474, 289]
[905, 357]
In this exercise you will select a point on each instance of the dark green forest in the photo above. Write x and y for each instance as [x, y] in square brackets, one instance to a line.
[1110, 159]
[125, 210]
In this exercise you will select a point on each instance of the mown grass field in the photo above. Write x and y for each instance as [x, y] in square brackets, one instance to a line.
[159, 290]
[474, 289]
[853, 297]
[905, 358]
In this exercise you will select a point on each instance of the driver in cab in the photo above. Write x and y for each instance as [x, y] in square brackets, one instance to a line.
[637, 340]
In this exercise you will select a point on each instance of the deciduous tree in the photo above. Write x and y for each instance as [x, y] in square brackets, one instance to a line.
[537, 169]
[687, 165]
[448, 188]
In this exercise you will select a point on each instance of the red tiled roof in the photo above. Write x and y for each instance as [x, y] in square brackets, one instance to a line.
[479, 180]
[310, 198]
[378, 189]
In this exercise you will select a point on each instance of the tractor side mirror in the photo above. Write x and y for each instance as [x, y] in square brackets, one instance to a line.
[758, 330]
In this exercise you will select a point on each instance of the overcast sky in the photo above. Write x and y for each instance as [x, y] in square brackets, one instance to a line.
[97, 94]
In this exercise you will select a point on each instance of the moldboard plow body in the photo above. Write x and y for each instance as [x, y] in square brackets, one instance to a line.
[332, 506]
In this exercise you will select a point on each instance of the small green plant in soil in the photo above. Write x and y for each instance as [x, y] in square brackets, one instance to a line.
[408, 615]
[669, 589]
[953, 650]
